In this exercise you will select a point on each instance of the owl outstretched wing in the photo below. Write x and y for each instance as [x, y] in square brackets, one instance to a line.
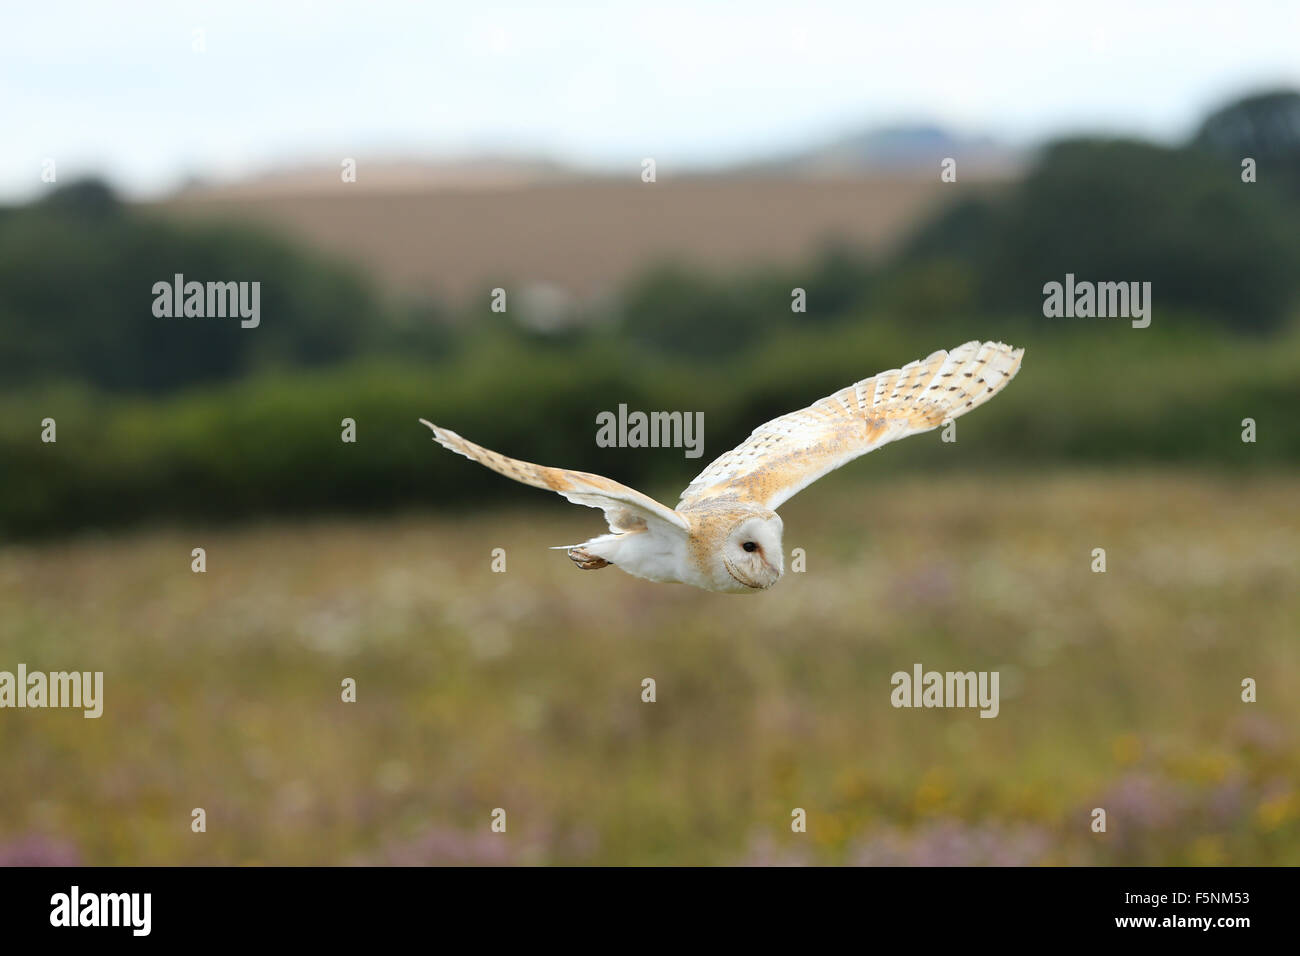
[626, 509]
[787, 454]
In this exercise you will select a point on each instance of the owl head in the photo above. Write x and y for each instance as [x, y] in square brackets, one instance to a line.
[751, 556]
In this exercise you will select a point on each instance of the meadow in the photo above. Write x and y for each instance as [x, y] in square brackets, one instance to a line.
[522, 690]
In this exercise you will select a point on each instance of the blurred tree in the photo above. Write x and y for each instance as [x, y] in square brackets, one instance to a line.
[1264, 127]
[840, 281]
[1119, 210]
[77, 272]
[676, 311]
[85, 198]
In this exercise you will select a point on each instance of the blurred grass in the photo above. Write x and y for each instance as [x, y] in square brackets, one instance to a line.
[522, 690]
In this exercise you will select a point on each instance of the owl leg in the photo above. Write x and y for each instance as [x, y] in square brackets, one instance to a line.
[586, 560]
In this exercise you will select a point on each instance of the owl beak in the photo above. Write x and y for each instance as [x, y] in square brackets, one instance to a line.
[735, 574]
[776, 568]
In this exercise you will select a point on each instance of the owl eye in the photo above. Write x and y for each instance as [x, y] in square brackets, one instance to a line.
[750, 546]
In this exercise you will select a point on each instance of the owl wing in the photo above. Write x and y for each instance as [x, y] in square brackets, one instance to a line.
[787, 454]
[626, 509]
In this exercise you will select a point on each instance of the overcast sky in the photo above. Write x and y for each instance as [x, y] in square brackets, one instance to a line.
[118, 87]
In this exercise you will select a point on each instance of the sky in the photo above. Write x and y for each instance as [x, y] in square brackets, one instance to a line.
[151, 93]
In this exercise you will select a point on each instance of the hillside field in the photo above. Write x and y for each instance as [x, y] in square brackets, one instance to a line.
[586, 236]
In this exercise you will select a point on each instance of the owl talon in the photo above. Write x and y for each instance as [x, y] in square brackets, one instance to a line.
[586, 560]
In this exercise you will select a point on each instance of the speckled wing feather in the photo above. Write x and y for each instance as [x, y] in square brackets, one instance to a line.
[626, 509]
[787, 454]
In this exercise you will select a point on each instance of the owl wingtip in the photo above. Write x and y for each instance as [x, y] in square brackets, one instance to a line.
[1013, 350]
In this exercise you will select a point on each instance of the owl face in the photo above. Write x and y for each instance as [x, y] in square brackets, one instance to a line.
[751, 556]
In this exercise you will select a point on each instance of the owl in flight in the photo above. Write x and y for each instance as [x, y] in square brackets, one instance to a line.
[725, 534]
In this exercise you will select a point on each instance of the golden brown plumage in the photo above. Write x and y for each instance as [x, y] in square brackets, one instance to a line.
[725, 534]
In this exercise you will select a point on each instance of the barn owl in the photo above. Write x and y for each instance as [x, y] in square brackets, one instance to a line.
[725, 535]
